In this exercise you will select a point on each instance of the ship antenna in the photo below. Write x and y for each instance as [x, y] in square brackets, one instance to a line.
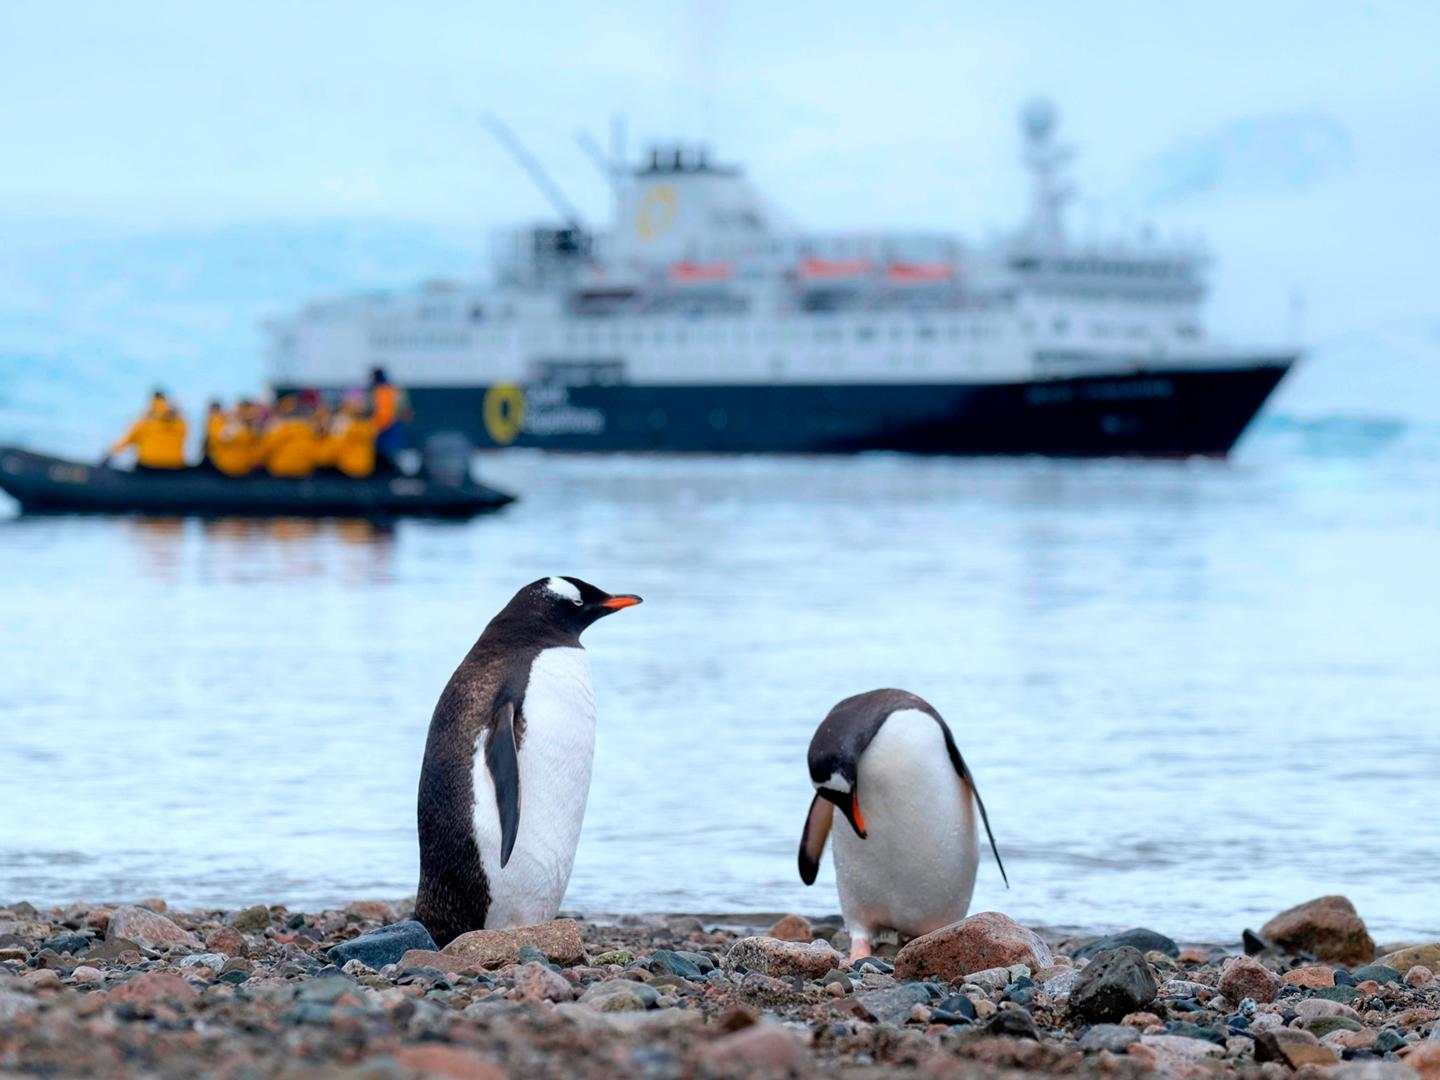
[1046, 160]
[538, 176]
[609, 167]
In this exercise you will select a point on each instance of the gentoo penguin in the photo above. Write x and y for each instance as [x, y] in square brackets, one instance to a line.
[507, 765]
[907, 862]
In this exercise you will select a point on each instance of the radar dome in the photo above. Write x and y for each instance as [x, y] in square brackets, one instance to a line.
[1038, 118]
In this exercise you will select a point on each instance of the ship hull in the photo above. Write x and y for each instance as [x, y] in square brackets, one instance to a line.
[1166, 414]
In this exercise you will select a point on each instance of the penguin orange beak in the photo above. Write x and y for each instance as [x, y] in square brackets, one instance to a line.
[615, 603]
[851, 810]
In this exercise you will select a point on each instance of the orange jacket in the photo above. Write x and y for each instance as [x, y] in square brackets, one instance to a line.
[350, 446]
[235, 450]
[159, 441]
[386, 398]
[290, 447]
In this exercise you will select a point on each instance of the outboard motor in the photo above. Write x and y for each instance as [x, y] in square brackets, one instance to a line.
[447, 458]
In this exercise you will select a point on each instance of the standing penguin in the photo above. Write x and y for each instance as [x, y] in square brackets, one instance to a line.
[908, 860]
[507, 765]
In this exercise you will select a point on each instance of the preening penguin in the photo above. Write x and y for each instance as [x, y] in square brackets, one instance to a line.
[908, 857]
[507, 765]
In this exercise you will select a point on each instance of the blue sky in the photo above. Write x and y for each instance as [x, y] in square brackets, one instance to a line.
[1301, 138]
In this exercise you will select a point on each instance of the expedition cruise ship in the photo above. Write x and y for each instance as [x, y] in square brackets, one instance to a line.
[699, 322]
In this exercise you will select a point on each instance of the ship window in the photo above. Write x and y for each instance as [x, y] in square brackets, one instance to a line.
[1061, 325]
[955, 331]
[925, 332]
[896, 333]
[864, 333]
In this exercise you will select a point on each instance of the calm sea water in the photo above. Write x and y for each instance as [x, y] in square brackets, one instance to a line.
[1192, 693]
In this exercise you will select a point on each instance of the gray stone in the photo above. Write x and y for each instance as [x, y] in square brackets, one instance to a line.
[1381, 973]
[665, 962]
[250, 919]
[1113, 1037]
[1321, 1026]
[893, 1006]
[1115, 983]
[1139, 938]
[383, 946]
[1014, 1023]
[619, 995]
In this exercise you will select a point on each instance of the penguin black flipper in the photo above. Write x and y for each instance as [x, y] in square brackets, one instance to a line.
[963, 771]
[812, 840]
[504, 766]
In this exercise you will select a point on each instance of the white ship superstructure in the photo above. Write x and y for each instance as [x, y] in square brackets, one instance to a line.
[700, 320]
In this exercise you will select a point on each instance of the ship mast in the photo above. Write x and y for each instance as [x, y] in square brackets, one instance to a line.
[1046, 159]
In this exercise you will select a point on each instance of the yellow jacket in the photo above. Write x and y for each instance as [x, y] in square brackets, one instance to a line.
[214, 425]
[350, 446]
[290, 447]
[159, 441]
[235, 449]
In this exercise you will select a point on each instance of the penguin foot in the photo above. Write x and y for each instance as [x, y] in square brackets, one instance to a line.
[859, 948]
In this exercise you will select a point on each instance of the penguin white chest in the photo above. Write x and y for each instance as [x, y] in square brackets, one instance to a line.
[915, 869]
[555, 756]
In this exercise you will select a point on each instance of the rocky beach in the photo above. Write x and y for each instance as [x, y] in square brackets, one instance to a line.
[141, 990]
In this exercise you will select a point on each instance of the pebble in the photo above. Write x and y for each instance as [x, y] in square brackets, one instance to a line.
[560, 940]
[655, 1007]
[212, 961]
[618, 957]
[793, 928]
[537, 982]
[666, 962]
[383, 945]
[1244, 977]
[1424, 1058]
[982, 941]
[760, 1048]
[1115, 1038]
[1139, 938]
[1328, 928]
[770, 956]
[1314, 977]
[619, 995]
[250, 919]
[1419, 975]
[893, 1006]
[148, 928]
[1292, 1047]
[1114, 984]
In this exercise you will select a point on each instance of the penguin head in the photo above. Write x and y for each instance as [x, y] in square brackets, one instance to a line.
[570, 604]
[833, 775]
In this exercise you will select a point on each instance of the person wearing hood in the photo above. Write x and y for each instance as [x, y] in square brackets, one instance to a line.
[158, 437]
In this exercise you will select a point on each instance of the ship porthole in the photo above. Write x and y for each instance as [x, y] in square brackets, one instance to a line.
[719, 419]
[658, 419]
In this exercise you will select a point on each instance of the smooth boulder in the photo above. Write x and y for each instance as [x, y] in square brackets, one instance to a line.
[1328, 927]
[771, 956]
[560, 940]
[986, 940]
[148, 928]
[383, 946]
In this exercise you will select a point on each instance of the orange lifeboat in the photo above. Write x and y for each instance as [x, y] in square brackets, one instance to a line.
[909, 273]
[686, 272]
